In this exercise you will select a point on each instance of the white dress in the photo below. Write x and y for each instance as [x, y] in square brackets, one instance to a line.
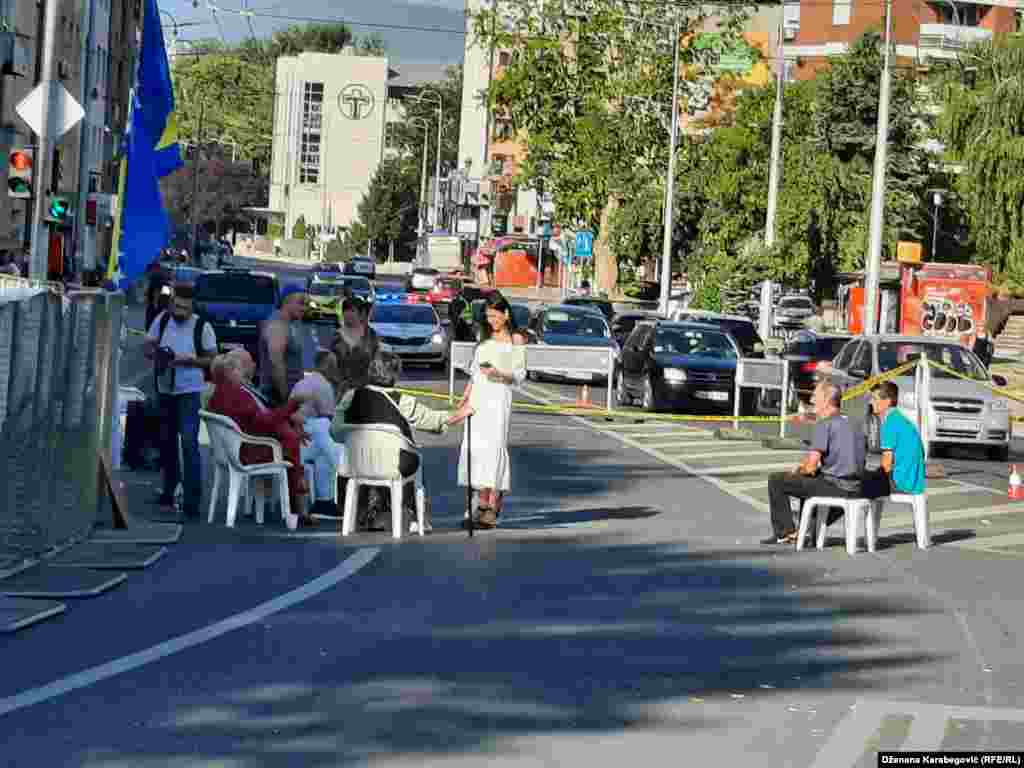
[489, 424]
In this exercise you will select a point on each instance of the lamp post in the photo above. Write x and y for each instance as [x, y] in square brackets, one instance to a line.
[938, 199]
[420, 230]
[437, 160]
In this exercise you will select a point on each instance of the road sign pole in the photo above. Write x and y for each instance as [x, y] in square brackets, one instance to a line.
[44, 155]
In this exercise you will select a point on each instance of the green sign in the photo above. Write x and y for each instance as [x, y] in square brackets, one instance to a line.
[720, 55]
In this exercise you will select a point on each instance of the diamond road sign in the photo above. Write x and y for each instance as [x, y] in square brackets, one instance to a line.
[64, 111]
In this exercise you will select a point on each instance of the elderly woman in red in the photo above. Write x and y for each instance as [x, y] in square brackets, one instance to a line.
[234, 398]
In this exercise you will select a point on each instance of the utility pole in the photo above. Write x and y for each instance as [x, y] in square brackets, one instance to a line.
[666, 245]
[195, 184]
[874, 260]
[765, 315]
[84, 144]
[540, 238]
[44, 155]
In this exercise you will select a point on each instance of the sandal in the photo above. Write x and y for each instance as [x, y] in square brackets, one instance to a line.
[486, 518]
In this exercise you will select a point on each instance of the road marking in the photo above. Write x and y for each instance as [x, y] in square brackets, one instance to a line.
[751, 452]
[990, 543]
[741, 469]
[352, 565]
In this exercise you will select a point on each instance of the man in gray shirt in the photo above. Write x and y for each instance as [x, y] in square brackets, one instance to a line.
[833, 467]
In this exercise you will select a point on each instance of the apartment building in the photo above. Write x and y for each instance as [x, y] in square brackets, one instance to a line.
[98, 76]
[816, 30]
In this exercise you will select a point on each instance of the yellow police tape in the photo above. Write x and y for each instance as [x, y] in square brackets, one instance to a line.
[869, 384]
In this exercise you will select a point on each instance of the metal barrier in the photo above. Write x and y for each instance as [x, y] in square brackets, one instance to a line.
[762, 374]
[541, 358]
[58, 382]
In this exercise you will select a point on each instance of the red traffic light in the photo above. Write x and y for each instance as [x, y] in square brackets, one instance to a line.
[20, 161]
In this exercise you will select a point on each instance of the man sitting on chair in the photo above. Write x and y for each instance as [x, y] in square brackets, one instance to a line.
[365, 402]
[232, 398]
[317, 391]
[902, 469]
[833, 467]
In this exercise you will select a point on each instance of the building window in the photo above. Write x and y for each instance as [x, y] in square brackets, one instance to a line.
[502, 130]
[312, 122]
[965, 15]
[841, 12]
[504, 59]
[391, 135]
[500, 165]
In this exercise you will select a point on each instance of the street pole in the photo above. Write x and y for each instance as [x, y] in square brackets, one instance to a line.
[437, 162]
[195, 185]
[540, 238]
[666, 246]
[874, 260]
[44, 155]
[765, 315]
[84, 144]
[421, 229]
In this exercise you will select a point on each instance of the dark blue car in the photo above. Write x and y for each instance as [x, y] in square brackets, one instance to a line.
[237, 302]
[667, 365]
[563, 325]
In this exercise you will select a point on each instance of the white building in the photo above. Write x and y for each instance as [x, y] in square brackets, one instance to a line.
[330, 133]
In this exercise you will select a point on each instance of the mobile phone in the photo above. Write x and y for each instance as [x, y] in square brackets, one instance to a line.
[486, 365]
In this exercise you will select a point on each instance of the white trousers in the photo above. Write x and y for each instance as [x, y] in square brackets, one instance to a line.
[325, 455]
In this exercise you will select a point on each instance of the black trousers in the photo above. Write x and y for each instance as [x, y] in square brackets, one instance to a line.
[876, 484]
[783, 485]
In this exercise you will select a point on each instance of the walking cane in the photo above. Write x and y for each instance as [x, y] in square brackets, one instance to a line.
[469, 475]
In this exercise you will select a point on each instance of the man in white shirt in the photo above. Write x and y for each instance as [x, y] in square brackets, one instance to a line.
[316, 392]
[182, 347]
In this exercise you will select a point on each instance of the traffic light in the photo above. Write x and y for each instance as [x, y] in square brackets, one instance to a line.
[59, 209]
[20, 165]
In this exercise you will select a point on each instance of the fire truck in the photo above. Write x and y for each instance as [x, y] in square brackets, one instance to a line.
[952, 301]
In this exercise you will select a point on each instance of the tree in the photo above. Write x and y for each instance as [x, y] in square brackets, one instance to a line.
[587, 93]
[409, 133]
[982, 128]
[388, 212]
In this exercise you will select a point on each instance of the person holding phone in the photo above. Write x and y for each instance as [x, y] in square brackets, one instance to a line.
[498, 364]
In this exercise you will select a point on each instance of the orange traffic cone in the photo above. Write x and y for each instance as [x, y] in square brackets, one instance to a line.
[583, 401]
[1016, 490]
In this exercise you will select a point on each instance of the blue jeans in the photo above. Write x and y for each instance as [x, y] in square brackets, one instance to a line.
[179, 416]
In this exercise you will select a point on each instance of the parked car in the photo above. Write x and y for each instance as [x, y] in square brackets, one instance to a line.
[327, 269]
[961, 412]
[421, 280]
[742, 329]
[326, 292]
[792, 311]
[444, 290]
[237, 302]
[571, 326]
[624, 323]
[411, 331]
[805, 351]
[665, 364]
[595, 302]
[362, 265]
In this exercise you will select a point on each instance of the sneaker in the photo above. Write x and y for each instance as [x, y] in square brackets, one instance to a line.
[789, 538]
[414, 527]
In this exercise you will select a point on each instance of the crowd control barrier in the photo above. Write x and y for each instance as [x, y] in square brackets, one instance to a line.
[762, 374]
[58, 383]
[541, 358]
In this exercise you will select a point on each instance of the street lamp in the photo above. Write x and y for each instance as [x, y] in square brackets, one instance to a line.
[938, 197]
[437, 161]
[423, 174]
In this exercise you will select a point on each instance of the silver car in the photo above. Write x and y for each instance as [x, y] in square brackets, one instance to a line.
[411, 331]
[962, 412]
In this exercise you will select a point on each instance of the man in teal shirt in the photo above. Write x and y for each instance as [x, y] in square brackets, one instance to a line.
[902, 452]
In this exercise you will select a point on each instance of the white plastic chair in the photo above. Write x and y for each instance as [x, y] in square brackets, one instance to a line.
[226, 440]
[920, 507]
[853, 511]
[373, 452]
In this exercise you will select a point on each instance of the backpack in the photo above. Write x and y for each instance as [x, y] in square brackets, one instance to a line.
[197, 341]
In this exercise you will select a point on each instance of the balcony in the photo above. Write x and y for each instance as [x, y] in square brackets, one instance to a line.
[945, 41]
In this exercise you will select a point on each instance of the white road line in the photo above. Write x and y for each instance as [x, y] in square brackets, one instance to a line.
[906, 519]
[990, 543]
[849, 738]
[354, 563]
[668, 433]
[708, 442]
[740, 470]
[751, 452]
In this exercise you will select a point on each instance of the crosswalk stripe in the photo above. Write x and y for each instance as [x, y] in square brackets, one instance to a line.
[742, 469]
[703, 443]
[903, 519]
[989, 543]
[692, 433]
[749, 452]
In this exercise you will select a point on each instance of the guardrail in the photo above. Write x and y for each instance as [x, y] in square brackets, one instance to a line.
[58, 383]
[542, 358]
[762, 374]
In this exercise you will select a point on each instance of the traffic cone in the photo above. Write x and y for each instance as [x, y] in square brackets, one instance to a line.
[583, 401]
[1016, 490]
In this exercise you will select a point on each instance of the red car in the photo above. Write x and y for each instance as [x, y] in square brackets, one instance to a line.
[445, 289]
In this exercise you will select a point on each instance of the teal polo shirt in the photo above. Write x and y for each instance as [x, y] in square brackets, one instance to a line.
[900, 436]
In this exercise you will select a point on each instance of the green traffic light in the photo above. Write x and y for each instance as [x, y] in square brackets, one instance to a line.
[59, 208]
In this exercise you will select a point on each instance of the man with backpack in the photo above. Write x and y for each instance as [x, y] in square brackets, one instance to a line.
[182, 346]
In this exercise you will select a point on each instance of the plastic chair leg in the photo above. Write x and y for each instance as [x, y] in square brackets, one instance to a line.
[397, 513]
[234, 492]
[348, 520]
[822, 520]
[261, 500]
[291, 520]
[873, 510]
[924, 539]
[214, 492]
[852, 514]
[805, 523]
[421, 509]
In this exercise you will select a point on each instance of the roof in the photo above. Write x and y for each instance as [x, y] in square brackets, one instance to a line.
[714, 315]
[901, 339]
[574, 308]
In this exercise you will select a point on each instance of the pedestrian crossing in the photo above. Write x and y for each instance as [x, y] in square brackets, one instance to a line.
[872, 726]
[963, 515]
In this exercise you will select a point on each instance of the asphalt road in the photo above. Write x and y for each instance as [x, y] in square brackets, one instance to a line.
[623, 612]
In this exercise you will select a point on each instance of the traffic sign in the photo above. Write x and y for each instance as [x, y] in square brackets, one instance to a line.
[584, 244]
[64, 111]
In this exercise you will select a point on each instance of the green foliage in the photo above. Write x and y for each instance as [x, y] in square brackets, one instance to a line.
[388, 211]
[409, 133]
[225, 190]
[299, 228]
[275, 231]
[982, 128]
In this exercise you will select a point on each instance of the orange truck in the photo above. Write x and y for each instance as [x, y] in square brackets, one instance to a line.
[950, 301]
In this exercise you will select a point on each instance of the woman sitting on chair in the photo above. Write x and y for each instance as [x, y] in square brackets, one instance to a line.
[233, 399]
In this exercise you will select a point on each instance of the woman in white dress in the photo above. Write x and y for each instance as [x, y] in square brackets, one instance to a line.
[498, 365]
